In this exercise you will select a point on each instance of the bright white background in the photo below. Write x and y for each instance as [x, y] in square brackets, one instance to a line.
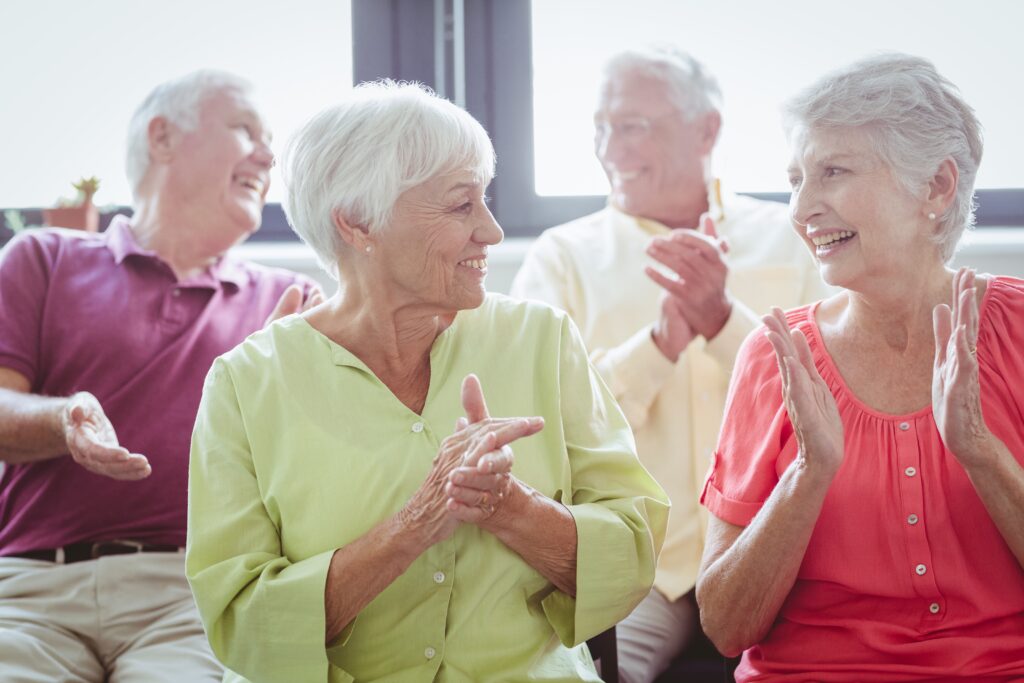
[762, 52]
[72, 73]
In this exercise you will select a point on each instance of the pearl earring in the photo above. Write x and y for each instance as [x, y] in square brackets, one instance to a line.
[368, 248]
[931, 216]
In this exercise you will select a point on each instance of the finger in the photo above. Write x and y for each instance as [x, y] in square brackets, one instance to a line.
[707, 226]
[777, 323]
[803, 353]
[473, 402]
[290, 302]
[313, 299]
[461, 424]
[942, 324]
[478, 446]
[707, 247]
[519, 429]
[472, 478]
[471, 496]
[674, 287]
[469, 514]
[500, 460]
[689, 270]
[957, 289]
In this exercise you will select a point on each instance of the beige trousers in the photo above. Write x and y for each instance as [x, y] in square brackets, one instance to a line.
[653, 635]
[120, 619]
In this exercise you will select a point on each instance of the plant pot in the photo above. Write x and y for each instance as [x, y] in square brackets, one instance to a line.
[85, 217]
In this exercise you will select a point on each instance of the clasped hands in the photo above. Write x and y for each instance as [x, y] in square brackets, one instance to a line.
[470, 480]
[694, 302]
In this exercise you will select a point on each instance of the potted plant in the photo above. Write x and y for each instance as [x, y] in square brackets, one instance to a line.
[79, 213]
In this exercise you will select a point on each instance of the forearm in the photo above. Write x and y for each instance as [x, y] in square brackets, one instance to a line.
[31, 427]
[361, 570]
[741, 592]
[540, 530]
[999, 480]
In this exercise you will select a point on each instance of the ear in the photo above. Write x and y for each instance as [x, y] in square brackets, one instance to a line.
[942, 188]
[356, 236]
[709, 131]
[162, 136]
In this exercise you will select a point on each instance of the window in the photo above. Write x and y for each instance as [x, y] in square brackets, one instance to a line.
[75, 71]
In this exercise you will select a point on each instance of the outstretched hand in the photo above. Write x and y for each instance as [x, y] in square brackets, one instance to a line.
[809, 402]
[956, 394]
[93, 444]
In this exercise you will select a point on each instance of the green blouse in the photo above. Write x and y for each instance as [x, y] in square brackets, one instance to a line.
[299, 449]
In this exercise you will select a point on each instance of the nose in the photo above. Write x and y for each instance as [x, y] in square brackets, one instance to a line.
[488, 232]
[609, 145]
[263, 155]
[804, 204]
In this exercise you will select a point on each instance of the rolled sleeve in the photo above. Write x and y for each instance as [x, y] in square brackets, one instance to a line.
[263, 612]
[620, 511]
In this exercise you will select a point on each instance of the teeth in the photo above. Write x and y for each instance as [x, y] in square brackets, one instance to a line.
[253, 184]
[627, 175]
[478, 264]
[823, 240]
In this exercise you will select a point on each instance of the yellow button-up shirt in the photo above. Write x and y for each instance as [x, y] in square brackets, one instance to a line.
[593, 269]
[299, 449]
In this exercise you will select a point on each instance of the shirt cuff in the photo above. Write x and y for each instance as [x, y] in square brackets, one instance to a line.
[727, 509]
[726, 344]
[614, 571]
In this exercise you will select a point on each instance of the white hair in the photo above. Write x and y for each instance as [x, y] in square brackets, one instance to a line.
[916, 119]
[179, 101]
[690, 85]
[359, 156]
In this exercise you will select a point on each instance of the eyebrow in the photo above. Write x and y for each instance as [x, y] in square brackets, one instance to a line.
[462, 186]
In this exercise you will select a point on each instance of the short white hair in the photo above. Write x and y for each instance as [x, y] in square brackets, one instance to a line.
[179, 101]
[359, 156]
[692, 88]
[916, 119]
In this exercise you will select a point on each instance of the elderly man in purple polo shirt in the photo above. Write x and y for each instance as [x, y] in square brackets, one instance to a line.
[104, 345]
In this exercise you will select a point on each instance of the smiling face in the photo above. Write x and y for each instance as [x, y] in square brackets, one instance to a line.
[655, 159]
[220, 170]
[434, 249]
[852, 212]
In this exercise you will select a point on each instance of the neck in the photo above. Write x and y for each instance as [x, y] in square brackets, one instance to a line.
[162, 230]
[392, 337]
[900, 314]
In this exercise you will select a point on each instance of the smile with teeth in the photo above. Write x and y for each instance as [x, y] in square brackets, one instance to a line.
[831, 238]
[251, 183]
[475, 263]
[627, 175]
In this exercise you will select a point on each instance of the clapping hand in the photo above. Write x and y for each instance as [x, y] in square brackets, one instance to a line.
[956, 394]
[809, 402]
[478, 488]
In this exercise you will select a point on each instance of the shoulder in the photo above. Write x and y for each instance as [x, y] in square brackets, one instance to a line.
[51, 242]
[273, 345]
[1002, 313]
[505, 313]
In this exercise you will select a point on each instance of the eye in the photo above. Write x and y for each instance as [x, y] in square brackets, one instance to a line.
[465, 208]
[833, 171]
[794, 182]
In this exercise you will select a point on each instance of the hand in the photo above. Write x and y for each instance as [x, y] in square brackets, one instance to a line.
[92, 443]
[698, 260]
[434, 512]
[956, 394]
[291, 302]
[809, 402]
[671, 333]
[479, 489]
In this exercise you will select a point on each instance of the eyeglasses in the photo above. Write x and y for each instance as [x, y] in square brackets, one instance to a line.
[630, 128]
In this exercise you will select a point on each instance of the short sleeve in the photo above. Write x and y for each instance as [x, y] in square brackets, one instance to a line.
[25, 268]
[756, 441]
[1001, 361]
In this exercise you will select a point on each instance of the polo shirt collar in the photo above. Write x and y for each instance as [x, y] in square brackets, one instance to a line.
[122, 244]
[717, 201]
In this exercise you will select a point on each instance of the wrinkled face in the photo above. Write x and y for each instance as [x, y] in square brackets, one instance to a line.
[435, 247]
[854, 215]
[654, 158]
[221, 169]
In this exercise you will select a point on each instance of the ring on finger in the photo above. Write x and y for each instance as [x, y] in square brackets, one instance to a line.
[484, 499]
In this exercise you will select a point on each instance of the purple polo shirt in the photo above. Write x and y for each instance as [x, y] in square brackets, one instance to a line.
[82, 312]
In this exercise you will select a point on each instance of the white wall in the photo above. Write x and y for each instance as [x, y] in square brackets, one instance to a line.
[997, 251]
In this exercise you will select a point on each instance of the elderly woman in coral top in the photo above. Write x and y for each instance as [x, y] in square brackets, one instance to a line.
[867, 494]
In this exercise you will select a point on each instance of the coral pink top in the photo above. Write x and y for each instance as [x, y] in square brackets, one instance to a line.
[906, 577]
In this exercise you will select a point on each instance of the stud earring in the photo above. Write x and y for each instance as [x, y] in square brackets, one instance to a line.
[931, 216]
[368, 248]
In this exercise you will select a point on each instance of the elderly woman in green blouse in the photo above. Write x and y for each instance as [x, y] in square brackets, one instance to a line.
[356, 511]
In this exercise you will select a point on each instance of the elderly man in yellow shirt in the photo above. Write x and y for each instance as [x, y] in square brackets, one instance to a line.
[663, 296]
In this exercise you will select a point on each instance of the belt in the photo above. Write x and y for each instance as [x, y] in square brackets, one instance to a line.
[86, 550]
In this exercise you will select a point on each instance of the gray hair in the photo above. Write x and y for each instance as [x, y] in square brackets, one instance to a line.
[691, 86]
[916, 118]
[179, 101]
[359, 156]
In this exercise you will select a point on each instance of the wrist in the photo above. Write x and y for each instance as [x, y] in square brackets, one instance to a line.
[661, 343]
[722, 321]
[410, 533]
[514, 509]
